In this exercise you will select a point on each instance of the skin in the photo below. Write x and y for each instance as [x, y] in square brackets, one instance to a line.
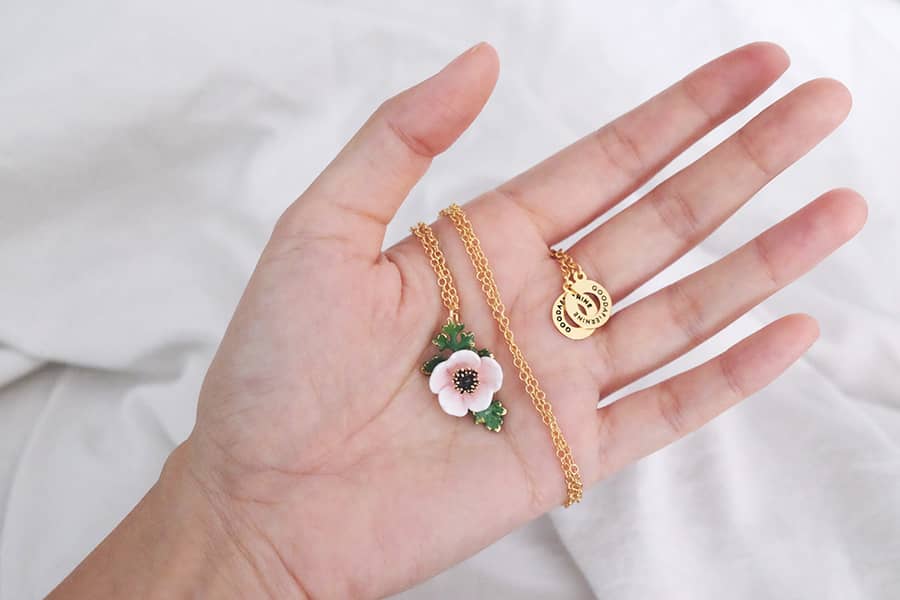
[321, 465]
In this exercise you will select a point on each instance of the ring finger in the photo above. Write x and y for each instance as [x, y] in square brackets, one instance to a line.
[687, 207]
[682, 315]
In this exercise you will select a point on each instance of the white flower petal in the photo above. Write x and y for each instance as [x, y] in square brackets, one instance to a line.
[452, 403]
[490, 375]
[480, 399]
[440, 377]
[464, 359]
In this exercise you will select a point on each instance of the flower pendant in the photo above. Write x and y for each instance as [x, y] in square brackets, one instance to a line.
[466, 379]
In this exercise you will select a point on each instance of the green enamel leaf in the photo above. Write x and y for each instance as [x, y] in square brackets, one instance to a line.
[485, 352]
[444, 339]
[429, 365]
[453, 337]
[466, 341]
[492, 416]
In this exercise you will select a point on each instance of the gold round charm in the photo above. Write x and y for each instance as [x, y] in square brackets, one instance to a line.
[580, 305]
[562, 323]
[587, 304]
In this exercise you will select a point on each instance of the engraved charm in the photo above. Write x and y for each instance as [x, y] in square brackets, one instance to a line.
[584, 304]
[466, 380]
[563, 323]
[588, 304]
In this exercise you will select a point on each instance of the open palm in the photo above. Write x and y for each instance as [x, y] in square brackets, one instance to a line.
[318, 440]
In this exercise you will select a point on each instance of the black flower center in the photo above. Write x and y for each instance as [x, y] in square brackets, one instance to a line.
[465, 380]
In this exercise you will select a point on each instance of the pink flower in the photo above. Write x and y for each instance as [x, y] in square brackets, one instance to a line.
[465, 382]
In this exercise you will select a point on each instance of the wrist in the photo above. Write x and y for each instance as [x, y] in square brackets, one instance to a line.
[181, 541]
[222, 554]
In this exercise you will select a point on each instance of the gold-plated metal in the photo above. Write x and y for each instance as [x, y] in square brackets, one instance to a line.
[578, 303]
[453, 336]
[571, 270]
[583, 310]
[449, 295]
[564, 323]
[586, 304]
[574, 484]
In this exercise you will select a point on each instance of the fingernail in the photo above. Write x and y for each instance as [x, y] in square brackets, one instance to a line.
[471, 50]
[474, 48]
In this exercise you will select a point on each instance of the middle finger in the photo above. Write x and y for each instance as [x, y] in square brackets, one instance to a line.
[649, 235]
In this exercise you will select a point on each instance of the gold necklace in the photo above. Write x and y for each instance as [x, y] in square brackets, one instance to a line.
[574, 484]
[464, 377]
[583, 306]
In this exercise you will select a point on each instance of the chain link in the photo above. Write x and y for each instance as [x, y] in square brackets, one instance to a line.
[571, 270]
[445, 280]
[574, 484]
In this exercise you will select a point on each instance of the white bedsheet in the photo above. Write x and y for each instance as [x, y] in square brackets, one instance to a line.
[148, 147]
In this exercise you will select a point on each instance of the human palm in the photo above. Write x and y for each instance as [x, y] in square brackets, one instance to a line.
[317, 438]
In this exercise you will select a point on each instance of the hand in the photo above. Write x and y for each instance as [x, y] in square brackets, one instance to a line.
[321, 459]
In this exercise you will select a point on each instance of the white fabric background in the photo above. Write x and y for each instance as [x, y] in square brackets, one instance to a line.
[147, 148]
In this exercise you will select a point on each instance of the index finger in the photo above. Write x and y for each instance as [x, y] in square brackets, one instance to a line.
[570, 189]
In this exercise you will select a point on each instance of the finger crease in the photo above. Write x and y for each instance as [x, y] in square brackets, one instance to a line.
[729, 376]
[621, 150]
[677, 214]
[362, 214]
[672, 408]
[687, 312]
[765, 261]
[742, 139]
[690, 92]
[605, 441]
[415, 144]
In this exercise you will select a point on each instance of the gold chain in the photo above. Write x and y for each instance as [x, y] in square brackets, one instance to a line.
[574, 485]
[571, 270]
[445, 280]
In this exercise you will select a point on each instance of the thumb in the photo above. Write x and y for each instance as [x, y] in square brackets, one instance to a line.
[356, 196]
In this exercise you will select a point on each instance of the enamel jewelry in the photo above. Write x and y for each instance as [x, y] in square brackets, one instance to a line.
[463, 377]
[485, 276]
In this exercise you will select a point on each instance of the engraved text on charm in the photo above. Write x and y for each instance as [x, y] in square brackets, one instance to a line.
[563, 324]
[587, 304]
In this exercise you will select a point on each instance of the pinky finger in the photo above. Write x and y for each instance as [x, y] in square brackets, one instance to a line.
[650, 419]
